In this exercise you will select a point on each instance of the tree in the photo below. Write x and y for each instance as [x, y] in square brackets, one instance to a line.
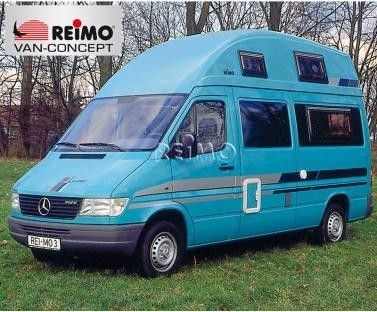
[194, 27]
[105, 62]
[105, 69]
[2, 15]
[25, 104]
[272, 13]
[3, 140]
[235, 15]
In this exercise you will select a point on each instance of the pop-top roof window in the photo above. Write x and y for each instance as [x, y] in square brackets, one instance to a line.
[311, 67]
[252, 64]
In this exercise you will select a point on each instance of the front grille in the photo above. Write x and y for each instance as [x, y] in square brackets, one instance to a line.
[44, 231]
[61, 207]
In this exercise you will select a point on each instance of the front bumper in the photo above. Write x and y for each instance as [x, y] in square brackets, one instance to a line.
[80, 238]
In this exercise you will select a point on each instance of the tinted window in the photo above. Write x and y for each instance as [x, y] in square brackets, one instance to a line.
[311, 68]
[265, 124]
[328, 126]
[207, 121]
[252, 64]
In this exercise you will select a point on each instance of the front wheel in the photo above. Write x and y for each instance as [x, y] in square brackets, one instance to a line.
[333, 226]
[161, 249]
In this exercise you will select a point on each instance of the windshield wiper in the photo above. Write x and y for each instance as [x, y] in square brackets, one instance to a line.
[113, 146]
[69, 144]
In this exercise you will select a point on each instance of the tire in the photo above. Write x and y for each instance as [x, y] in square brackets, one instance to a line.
[50, 256]
[333, 225]
[161, 250]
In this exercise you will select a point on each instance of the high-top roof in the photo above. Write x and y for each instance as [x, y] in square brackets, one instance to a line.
[177, 66]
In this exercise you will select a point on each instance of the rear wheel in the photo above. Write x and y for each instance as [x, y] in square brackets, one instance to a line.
[160, 250]
[333, 226]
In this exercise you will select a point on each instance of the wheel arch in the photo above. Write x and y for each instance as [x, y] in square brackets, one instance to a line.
[176, 216]
[342, 199]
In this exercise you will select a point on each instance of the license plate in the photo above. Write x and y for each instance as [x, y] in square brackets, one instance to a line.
[43, 242]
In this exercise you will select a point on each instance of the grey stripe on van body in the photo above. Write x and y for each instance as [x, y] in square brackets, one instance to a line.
[189, 185]
[186, 200]
[149, 204]
[205, 198]
[156, 189]
[205, 184]
[236, 181]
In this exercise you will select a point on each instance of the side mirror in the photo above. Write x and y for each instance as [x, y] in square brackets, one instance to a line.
[186, 148]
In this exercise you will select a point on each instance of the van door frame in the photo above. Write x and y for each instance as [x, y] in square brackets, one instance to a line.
[262, 180]
[205, 226]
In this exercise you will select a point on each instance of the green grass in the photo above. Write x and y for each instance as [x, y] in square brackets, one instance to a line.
[283, 272]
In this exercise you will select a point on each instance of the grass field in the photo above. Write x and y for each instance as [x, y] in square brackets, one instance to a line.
[283, 272]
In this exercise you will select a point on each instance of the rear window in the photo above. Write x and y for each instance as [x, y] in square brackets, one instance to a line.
[265, 124]
[328, 126]
[311, 67]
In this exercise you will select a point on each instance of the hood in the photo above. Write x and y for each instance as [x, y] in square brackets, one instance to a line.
[86, 175]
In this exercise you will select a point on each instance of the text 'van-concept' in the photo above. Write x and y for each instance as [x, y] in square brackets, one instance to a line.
[208, 139]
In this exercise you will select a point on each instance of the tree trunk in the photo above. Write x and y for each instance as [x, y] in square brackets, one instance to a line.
[105, 69]
[55, 66]
[193, 27]
[352, 18]
[2, 15]
[3, 141]
[25, 104]
[275, 16]
[72, 103]
[358, 36]
[105, 62]
[272, 14]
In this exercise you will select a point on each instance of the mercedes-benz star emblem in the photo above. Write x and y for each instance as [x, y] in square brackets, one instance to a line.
[44, 206]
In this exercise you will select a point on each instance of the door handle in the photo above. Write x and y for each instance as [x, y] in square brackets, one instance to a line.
[226, 167]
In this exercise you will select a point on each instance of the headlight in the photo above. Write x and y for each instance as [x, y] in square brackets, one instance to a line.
[15, 201]
[103, 206]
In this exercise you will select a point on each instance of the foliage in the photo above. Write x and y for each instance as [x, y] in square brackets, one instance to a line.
[61, 85]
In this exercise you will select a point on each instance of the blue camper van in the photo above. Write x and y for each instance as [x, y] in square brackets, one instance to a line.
[204, 140]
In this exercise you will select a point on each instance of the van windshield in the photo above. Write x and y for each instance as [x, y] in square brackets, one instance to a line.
[130, 123]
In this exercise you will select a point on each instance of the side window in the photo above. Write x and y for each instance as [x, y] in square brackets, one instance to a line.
[252, 64]
[206, 121]
[210, 118]
[318, 126]
[311, 67]
[265, 124]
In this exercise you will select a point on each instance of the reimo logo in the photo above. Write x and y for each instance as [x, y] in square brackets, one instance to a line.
[63, 30]
[34, 30]
[79, 32]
